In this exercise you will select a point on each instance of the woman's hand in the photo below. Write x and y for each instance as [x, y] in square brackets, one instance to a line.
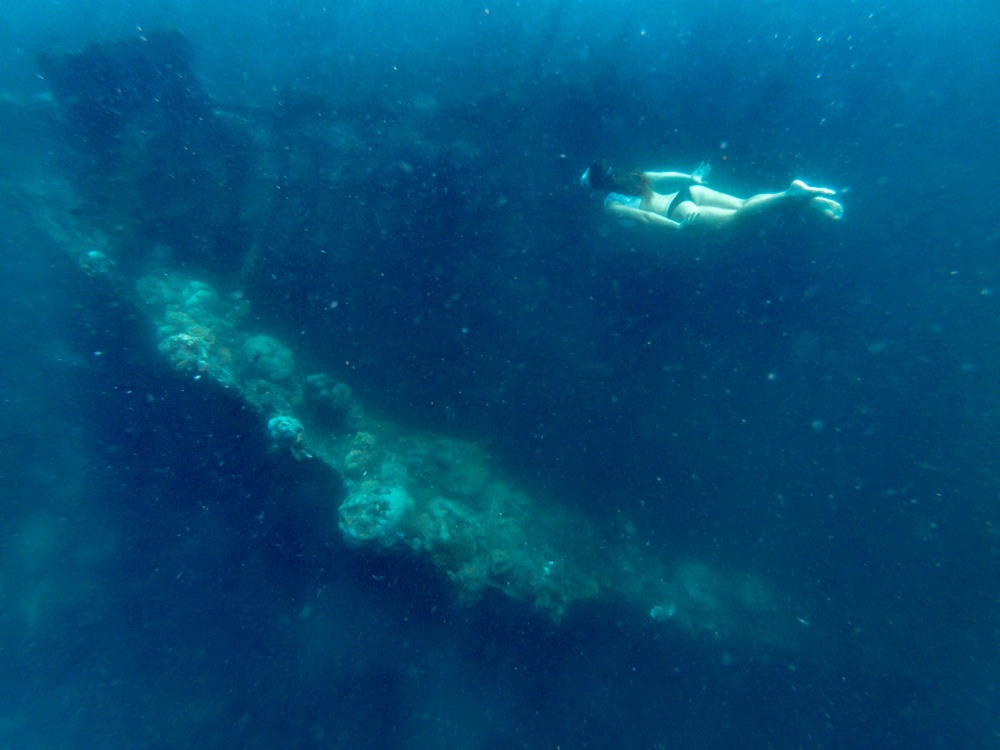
[698, 176]
[690, 219]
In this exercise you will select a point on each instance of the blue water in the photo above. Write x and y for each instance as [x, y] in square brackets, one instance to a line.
[812, 403]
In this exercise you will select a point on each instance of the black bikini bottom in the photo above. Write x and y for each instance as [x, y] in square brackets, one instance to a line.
[684, 194]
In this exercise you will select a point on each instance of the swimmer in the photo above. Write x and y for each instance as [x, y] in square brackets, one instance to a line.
[685, 201]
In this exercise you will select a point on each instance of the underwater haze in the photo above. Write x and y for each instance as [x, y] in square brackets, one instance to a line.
[339, 415]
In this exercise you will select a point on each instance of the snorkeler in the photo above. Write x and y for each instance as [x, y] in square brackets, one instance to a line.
[685, 201]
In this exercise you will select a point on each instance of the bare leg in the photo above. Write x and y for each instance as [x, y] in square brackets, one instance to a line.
[798, 187]
[712, 208]
[819, 198]
[704, 196]
[828, 207]
[704, 216]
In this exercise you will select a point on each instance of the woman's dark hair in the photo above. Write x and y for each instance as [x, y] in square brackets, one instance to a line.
[600, 176]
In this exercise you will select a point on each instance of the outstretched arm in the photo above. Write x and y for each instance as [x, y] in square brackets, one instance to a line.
[697, 177]
[669, 176]
[670, 179]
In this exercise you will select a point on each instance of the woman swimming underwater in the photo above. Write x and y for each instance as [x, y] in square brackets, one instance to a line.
[685, 201]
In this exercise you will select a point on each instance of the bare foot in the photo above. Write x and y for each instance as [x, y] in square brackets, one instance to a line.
[798, 187]
[828, 208]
